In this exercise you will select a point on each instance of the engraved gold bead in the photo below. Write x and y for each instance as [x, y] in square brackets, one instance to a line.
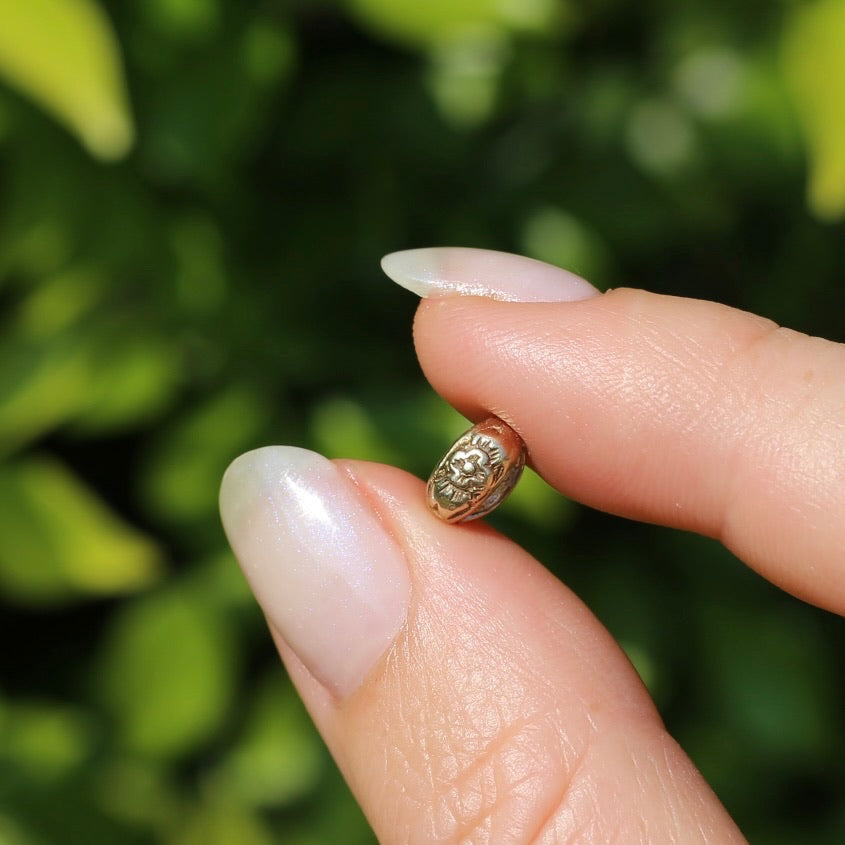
[477, 473]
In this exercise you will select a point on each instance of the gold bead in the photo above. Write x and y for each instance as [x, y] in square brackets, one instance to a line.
[477, 473]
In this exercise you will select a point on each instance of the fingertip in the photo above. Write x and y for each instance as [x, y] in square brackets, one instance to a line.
[328, 577]
[502, 707]
[681, 412]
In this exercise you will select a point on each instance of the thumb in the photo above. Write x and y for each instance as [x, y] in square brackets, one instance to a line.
[466, 695]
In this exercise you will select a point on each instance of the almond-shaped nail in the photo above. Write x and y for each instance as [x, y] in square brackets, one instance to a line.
[329, 578]
[462, 271]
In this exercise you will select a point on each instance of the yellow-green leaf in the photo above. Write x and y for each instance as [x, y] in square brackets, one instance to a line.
[44, 740]
[60, 541]
[342, 428]
[12, 832]
[278, 758]
[556, 236]
[41, 386]
[538, 504]
[188, 19]
[222, 823]
[166, 674]
[131, 385]
[814, 63]
[63, 54]
[183, 473]
[138, 792]
[429, 22]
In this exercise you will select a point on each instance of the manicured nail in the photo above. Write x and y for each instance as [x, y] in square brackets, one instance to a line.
[329, 578]
[461, 271]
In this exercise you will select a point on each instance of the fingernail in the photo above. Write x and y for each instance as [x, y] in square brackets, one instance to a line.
[328, 577]
[461, 271]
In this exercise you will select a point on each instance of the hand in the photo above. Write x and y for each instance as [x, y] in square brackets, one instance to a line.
[466, 694]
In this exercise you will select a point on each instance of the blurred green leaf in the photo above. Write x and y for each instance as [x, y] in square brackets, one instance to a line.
[59, 300]
[35, 249]
[44, 740]
[278, 758]
[710, 80]
[11, 833]
[771, 674]
[138, 792]
[167, 673]
[187, 19]
[427, 23]
[61, 541]
[183, 474]
[200, 121]
[66, 364]
[764, 116]
[343, 429]
[464, 76]
[41, 386]
[645, 665]
[558, 237]
[814, 63]
[222, 823]
[201, 280]
[538, 504]
[268, 52]
[95, 378]
[64, 55]
[661, 137]
[134, 383]
[222, 583]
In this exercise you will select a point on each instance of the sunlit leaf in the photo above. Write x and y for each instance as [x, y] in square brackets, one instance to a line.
[89, 380]
[133, 384]
[64, 55]
[464, 76]
[41, 386]
[167, 673]
[426, 23]
[61, 541]
[814, 63]
[710, 80]
[58, 300]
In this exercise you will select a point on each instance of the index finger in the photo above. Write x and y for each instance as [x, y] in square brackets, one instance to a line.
[675, 411]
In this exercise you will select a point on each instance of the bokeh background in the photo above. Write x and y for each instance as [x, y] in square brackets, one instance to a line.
[194, 195]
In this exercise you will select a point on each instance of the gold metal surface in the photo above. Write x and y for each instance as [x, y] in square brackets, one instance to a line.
[477, 473]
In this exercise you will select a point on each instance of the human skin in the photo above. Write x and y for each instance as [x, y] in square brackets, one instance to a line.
[485, 703]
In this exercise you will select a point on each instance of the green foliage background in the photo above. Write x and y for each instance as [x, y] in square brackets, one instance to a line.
[194, 195]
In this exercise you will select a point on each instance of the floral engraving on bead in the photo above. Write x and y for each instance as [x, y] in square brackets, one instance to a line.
[470, 467]
[477, 473]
